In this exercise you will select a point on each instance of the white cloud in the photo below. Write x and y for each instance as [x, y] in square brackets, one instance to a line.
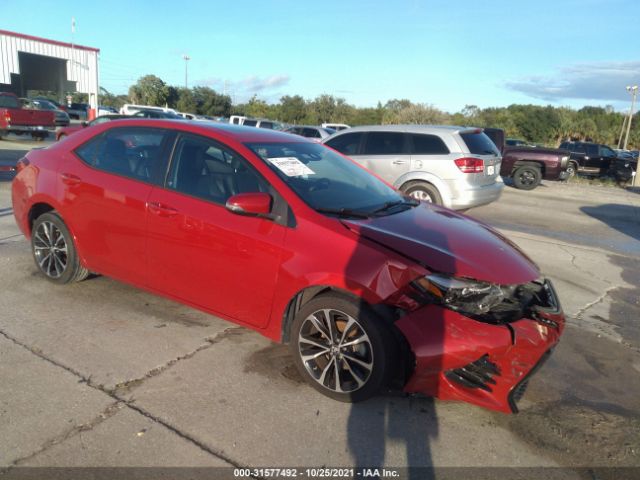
[588, 81]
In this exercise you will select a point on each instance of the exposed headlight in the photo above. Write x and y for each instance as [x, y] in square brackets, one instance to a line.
[460, 294]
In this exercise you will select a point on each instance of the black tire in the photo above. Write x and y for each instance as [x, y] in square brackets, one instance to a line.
[423, 191]
[527, 177]
[54, 251]
[376, 346]
[572, 170]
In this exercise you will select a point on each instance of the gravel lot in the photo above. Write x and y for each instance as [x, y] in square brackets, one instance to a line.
[102, 374]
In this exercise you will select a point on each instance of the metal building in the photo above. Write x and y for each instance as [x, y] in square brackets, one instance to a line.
[33, 63]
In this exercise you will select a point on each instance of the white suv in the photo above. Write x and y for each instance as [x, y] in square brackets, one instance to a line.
[457, 167]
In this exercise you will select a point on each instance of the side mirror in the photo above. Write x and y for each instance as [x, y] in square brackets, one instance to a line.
[254, 204]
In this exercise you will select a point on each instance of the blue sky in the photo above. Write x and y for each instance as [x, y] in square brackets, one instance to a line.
[449, 54]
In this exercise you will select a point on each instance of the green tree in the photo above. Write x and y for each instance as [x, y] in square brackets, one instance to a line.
[186, 101]
[209, 102]
[293, 109]
[149, 90]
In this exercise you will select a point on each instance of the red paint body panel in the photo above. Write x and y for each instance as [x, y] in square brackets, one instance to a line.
[449, 243]
[442, 340]
[249, 269]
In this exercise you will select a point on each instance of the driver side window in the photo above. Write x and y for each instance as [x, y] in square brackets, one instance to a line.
[205, 169]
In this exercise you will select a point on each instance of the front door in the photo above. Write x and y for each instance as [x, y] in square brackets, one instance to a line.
[200, 252]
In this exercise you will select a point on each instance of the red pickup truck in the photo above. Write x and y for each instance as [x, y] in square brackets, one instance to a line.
[18, 120]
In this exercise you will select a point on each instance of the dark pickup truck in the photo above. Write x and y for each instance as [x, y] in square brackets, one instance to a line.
[527, 166]
[15, 119]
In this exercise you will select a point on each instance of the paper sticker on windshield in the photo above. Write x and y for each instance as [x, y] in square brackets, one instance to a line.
[291, 166]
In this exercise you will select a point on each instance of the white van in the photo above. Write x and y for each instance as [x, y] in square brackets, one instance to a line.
[130, 109]
[335, 126]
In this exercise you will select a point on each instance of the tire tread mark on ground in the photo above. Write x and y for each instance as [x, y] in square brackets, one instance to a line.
[128, 403]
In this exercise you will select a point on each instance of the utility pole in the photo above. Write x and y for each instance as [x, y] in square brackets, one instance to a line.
[186, 61]
[622, 130]
[633, 90]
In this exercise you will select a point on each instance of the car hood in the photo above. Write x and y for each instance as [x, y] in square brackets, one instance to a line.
[448, 242]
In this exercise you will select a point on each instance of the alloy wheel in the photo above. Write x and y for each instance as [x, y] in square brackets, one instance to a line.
[527, 178]
[421, 195]
[335, 350]
[50, 249]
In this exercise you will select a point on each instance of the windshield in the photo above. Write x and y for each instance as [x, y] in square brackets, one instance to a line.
[324, 179]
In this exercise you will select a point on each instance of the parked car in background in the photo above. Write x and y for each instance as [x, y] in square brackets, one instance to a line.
[102, 110]
[287, 237]
[18, 120]
[311, 132]
[457, 167]
[528, 165]
[335, 126]
[596, 159]
[130, 109]
[78, 111]
[145, 113]
[63, 133]
[590, 158]
[515, 142]
[61, 117]
[59, 106]
[260, 123]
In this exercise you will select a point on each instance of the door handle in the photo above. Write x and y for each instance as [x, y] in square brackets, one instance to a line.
[70, 179]
[161, 210]
[399, 162]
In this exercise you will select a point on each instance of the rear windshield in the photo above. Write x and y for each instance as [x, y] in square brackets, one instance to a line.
[8, 101]
[479, 144]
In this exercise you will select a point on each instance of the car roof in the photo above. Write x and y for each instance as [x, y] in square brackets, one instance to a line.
[434, 129]
[238, 133]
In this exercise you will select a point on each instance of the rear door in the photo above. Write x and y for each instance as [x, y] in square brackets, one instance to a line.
[106, 183]
[387, 154]
[481, 146]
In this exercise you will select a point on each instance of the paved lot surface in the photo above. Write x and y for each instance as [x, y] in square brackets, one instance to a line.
[102, 374]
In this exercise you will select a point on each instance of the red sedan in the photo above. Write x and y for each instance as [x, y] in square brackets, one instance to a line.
[289, 238]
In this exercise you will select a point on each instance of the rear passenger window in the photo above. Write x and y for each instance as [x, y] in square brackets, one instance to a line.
[130, 152]
[479, 144]
[385, 143]
[205, 169]
[347, 144]
[428, 145]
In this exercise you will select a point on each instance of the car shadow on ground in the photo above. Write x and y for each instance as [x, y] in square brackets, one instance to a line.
[386, 427]
[623, 218]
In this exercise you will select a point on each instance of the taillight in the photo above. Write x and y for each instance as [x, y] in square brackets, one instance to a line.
[470, 165]
[7, 117]
[22, 164]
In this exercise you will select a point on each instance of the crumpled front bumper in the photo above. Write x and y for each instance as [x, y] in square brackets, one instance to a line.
[458, 358]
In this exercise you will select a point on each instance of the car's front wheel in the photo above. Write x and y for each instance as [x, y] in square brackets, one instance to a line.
[54, 251]
[342, 349]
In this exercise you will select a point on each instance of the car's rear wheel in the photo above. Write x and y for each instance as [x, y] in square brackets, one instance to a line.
[422, 191]
[342, 349]
[527, 177]
[54, 251]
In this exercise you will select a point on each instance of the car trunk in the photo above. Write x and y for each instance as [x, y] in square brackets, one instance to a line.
[480, 146]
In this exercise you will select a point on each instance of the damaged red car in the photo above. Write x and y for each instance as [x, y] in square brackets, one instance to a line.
[370, 288]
